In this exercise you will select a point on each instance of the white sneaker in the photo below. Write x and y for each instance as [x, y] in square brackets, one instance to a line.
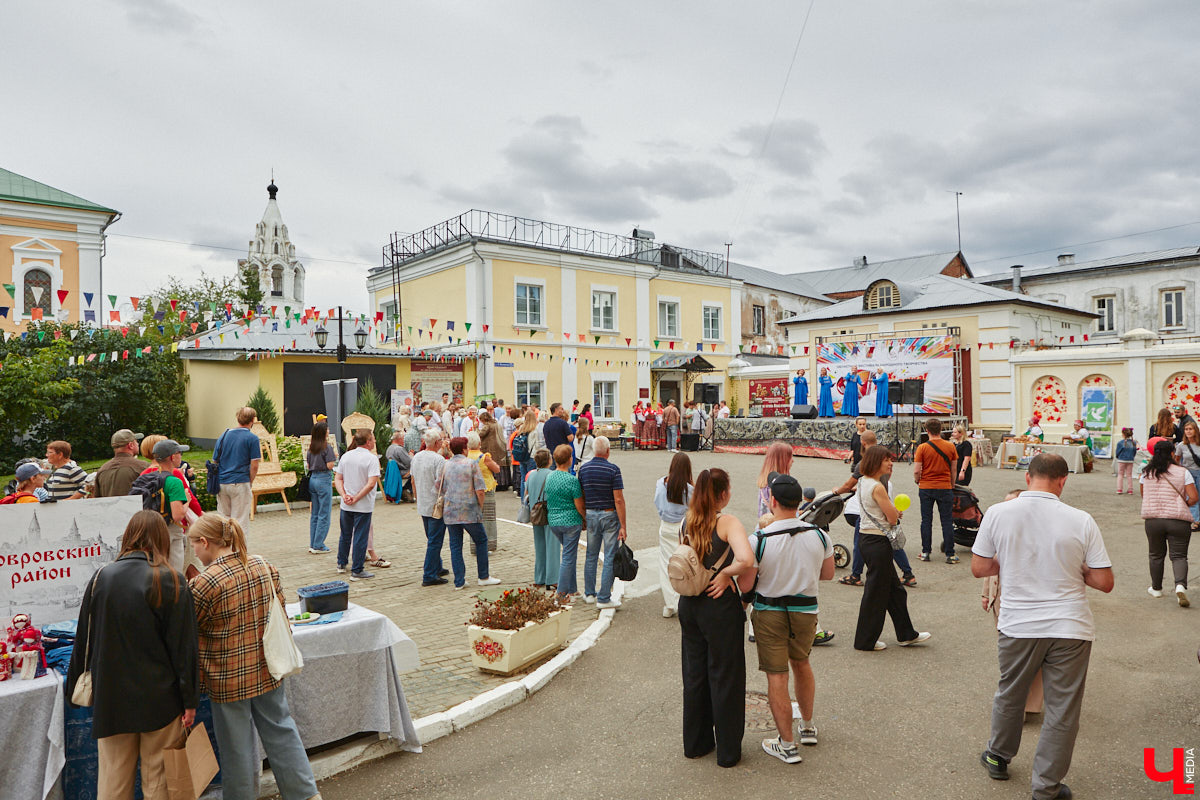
[341, 570]
[1150, 590]
[788, 754]
[617, 604]
[880, 646]
[808, 736]
[1181, 593]
[589, 599]
[492, 581]
[668, 612]
[921, 637]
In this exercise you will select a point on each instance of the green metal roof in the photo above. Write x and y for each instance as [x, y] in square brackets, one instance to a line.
[26, 190]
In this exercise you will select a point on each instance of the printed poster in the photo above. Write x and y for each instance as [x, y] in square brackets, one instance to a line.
[770, 396]
[1098, 404]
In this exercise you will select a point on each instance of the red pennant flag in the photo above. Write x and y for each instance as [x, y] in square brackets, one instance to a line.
[378, 315]
[182, 316]
[195, 325]
[36, 312]
[432, 322]
[753, 348]
[114, 315]
[174, 303]
[273, 310]
[581, 337]
[806, 351]
[671, 345]
[627, 341]
[125, 355]
[714, 347]
[58, 334]
[331, 313]
[485, 330]
[135, 302]
[62, 296]
[1085, 337]
[1072, 340]
[124, 331]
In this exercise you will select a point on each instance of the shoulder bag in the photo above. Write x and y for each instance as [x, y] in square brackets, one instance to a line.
[81, 695]
[894, 533]
[539, 512]
[302, 490]
[279, 648]
[212, 478]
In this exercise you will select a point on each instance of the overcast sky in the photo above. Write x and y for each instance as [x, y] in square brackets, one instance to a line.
[1061, 123]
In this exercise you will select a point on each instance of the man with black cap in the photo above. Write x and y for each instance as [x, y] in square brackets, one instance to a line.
[167, 457]
[116, 475]
[792, 557]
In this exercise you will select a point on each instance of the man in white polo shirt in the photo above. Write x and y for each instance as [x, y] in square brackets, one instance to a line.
[1046, 554]
[792, 557]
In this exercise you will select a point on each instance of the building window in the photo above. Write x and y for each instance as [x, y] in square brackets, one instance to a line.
[883, 295]
[1172, 308]
[37, 291]
[389, 312]
[604, 399]
[712, 323]
[760, 320]
[529, 393]
[604, 310]
[529, 304]
[668, 320]
[1106, 307]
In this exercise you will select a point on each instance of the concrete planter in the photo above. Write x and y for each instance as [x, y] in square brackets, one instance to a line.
[505, 652]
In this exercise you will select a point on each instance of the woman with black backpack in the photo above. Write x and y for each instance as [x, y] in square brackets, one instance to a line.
[714, 661]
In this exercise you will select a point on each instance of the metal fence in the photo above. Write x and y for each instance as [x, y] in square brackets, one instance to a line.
[476, 224]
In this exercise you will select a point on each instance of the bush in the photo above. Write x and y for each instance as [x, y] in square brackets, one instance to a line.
[43, 397]
[262, 403]
[371, 403]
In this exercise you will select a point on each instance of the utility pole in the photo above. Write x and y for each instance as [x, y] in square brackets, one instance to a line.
[958, 218]
[728, 245]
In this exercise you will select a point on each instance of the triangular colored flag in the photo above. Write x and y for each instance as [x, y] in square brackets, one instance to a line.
[467, 325]
[87, 296]
[38, 291]
[136, 301]
[485, 328]
[597, 338]
[4, 311]
[62, 296]
[35, 313]
[531, 333]
[11, 289]
[628, 341]
[112, 300]
[656, 344]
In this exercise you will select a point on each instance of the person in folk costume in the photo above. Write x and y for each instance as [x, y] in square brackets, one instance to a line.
[801, 384]
[850, 393]
[639, 425]
[883, 406]
[660, 430]
[825, 403]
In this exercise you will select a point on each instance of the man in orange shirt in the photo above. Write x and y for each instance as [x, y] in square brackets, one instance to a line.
[933, 470]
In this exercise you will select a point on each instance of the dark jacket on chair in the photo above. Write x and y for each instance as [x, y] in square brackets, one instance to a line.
[144, 660]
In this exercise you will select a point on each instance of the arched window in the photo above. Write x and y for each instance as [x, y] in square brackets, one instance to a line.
[37, 291]
[277, 248]
[883, 295]
[277, 280]
[298, 285]
[1049, 398]
[1182, 387]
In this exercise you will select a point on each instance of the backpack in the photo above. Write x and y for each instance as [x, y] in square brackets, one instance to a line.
[15, 497]
[520, 447]
[687, 573]
[152, 488]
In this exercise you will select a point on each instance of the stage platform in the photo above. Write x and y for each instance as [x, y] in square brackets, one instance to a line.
[820, 438]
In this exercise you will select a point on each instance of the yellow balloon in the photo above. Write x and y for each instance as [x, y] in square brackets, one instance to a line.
[902, 502]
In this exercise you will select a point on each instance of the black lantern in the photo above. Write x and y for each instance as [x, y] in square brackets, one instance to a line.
[322, 337]
[360, 338]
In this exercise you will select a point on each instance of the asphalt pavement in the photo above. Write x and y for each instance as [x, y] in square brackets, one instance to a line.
[904, 722]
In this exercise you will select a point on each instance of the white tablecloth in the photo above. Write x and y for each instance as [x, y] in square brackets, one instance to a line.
[32, 748]
[351, 679]
[1073, 453]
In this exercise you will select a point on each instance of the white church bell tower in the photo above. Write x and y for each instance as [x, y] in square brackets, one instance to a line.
[272, 253]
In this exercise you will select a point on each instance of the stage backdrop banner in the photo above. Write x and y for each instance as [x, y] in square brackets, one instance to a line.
[1098, 403]
[928, 357]
[771, 396]
[49, 552]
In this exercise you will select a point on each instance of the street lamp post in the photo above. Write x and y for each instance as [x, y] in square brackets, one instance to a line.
[360, 341]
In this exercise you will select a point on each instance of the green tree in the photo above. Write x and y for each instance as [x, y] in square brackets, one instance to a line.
[206, 295]
[249, 292]
[261, 402]
[371, 403]
[144, 388]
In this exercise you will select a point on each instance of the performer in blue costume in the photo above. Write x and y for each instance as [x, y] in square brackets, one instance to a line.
[883, 407]
[825, 403]
[801, 384]
[850, 394]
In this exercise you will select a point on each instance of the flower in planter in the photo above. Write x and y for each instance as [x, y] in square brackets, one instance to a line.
[514, 609]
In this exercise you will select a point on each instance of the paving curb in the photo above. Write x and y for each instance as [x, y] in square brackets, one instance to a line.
[434, 726]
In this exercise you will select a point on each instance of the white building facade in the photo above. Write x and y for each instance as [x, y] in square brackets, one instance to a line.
[273, 255]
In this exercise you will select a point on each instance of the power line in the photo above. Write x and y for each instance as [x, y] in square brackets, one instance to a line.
[771, 127]
[238, 249]
[1063, 247]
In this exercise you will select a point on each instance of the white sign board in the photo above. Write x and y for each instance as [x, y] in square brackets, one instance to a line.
[49, 552]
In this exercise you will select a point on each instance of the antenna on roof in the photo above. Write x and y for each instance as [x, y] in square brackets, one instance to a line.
[957, 216]
[728, 245]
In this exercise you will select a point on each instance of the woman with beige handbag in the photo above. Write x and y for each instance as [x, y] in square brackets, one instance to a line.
[139, 633]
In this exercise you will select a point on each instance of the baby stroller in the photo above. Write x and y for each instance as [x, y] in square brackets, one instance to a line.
[821, 511]
[967, 516]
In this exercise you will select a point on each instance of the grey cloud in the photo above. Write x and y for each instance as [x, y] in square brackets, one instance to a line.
[794, 149]
[161, 16]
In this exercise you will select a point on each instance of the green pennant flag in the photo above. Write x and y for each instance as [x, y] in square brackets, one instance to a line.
[212, 307]
[740, 347]
[102, 356]
[41, 335]
[287, 323]
[793, 349]
[11, 289]
[531, 333]
[112, 299]
[656, 344]
[597, 338]
[468, 326]
[287, 311]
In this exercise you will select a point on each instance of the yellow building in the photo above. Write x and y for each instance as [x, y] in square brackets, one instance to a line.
[51, 248]
[231, 363]
[562, 313]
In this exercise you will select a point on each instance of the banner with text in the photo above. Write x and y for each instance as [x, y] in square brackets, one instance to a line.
[930, 358]
[770, 396]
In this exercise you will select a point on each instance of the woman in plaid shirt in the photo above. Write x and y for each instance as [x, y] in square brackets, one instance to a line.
[232, 597]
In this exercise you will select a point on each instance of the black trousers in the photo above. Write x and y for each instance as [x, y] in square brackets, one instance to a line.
[714, 676]
[883, 594]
